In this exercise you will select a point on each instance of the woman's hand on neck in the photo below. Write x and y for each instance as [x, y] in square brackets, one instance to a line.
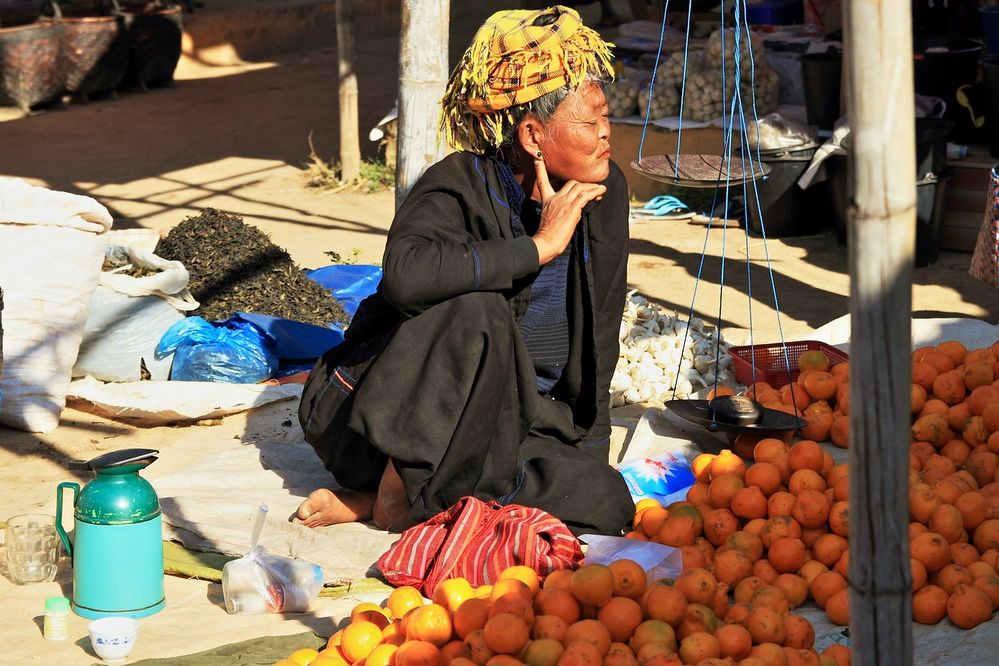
[523, 167]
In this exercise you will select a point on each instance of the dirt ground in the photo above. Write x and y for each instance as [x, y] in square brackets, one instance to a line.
[235, 138]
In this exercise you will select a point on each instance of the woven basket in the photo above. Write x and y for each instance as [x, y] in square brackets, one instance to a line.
[154, 37]
[30, 71]
[94, 53]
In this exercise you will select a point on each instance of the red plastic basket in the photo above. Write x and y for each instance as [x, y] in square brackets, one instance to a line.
[771, 364]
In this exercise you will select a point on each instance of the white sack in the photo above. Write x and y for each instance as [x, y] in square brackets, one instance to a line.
[21, 203]
[51, 250]
[120, 337]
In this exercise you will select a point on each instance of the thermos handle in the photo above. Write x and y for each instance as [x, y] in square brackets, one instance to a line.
[75, 487]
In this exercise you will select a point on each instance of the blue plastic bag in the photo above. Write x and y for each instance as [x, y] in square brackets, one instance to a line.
[666, 477]
[235, 352]
[350, 283]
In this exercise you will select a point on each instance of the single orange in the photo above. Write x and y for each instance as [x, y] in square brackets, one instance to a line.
[506, 633]
[418, 653]
[621, 615]
[359, 639]
[592, 584]
[402, 600]
[430, 623]
[590, 631]
[630, 579]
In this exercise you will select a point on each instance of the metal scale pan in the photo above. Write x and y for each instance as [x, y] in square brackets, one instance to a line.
[735, 413]
[699, 171]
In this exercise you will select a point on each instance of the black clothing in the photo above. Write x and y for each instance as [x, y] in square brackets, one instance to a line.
[435, 374]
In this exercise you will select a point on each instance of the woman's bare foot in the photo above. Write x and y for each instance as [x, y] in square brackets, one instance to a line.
[391, 509]
[325, 507]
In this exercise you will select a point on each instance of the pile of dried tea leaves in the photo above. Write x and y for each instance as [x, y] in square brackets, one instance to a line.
[235, 267]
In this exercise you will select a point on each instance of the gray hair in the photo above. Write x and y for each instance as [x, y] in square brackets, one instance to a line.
[542, 108]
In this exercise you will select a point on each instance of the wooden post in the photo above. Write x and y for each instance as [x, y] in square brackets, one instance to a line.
[881, 227]
[423, 73]
[350, 140]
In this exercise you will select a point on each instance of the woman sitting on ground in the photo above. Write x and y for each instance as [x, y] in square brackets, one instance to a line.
[482, 364]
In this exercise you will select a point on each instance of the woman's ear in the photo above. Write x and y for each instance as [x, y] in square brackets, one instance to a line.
[530, 134]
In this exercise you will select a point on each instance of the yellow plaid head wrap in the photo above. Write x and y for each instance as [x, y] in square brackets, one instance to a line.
[513, 61]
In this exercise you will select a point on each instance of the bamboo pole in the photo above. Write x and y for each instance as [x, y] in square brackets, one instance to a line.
[423, 74]
[881, 227]
[350, 141]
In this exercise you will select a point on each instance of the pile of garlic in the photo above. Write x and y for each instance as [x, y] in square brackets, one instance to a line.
[753, 69]
[767, 91]
[703, 99]
[665, 100]
[672, 69]
[653, 358]
[751, 51]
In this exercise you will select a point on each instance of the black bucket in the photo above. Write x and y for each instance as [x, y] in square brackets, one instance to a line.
[931, 195]
[787, 209]
[821, 76]
[931, 145]
[942, 66]
[990, 73]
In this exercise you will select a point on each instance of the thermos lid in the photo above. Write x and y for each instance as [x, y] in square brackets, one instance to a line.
[116, 459]
[57, 604]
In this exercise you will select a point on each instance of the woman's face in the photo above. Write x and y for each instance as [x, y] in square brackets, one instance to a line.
[575, 143]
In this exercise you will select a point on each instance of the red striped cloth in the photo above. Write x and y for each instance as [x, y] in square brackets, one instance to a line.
[477, 540]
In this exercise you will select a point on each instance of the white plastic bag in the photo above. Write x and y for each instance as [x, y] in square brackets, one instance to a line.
[659, 561]
[51, 249]
[262, 583]
[169, 282]
[120, 337]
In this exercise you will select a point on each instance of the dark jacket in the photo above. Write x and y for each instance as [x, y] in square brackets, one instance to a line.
[453, 235]
[432, 365]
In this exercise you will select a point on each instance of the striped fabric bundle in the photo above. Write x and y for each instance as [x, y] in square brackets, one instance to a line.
[477, 540]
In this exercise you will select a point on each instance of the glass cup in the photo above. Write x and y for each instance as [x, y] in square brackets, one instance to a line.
[32, 547]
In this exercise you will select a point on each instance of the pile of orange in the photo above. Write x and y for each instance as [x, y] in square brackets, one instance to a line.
[596, 615]
[763, 530]
[954, 483]
[783, 520]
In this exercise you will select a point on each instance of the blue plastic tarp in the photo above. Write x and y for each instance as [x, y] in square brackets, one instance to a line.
[350, 283]
[293, 342]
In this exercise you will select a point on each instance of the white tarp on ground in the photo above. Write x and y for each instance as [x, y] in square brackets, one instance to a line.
[973, 333]
[212, 506]
[216, 499]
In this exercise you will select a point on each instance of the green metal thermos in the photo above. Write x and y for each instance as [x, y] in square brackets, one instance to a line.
[117, 546]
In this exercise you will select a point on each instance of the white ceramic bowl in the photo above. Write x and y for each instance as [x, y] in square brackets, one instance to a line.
[113, 637]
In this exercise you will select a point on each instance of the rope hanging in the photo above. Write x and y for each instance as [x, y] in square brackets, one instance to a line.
[745, 171]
